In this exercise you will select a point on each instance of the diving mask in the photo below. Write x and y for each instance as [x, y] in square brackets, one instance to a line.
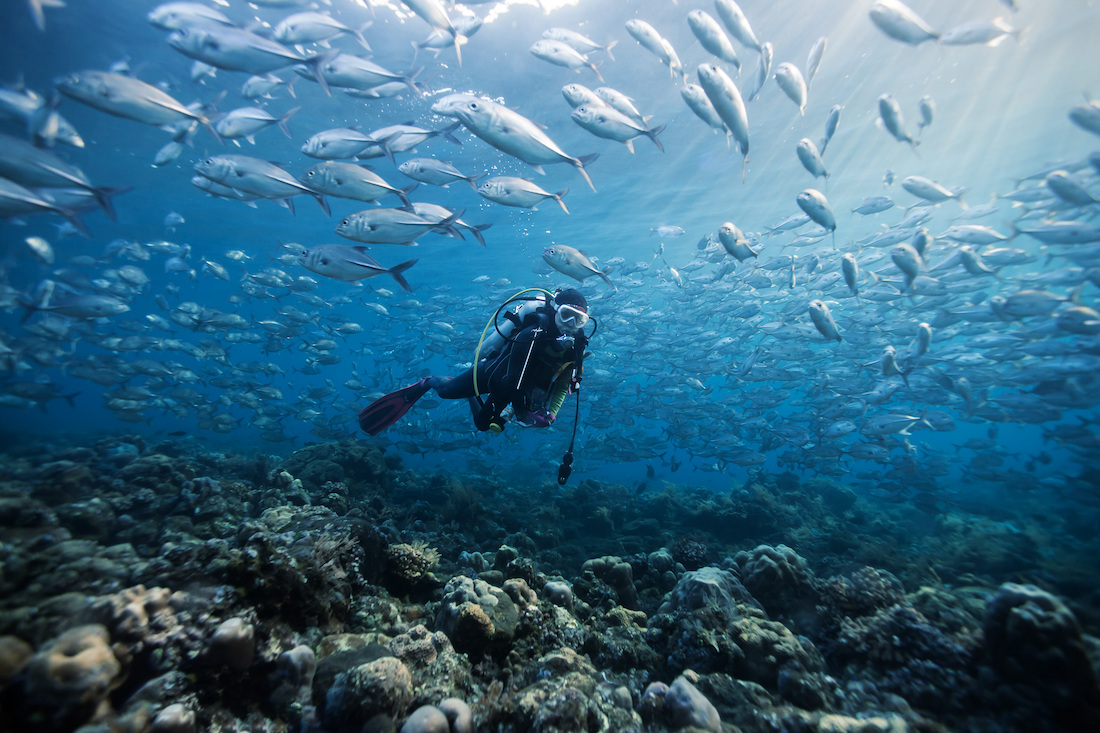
[570, 317]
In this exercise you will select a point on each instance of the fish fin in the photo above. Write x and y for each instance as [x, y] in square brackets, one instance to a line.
[603, 276]
[357, 34]
[396, 270]
[629, 145]
[323, 203]
[596, 70]
[459, 40]
[537, 169]
[289, 204]
[281, 122]
[653, 133]
[403, 193]
[559, 197]
[608, 47]
[581, 162]
[446, 133]
[477, 230]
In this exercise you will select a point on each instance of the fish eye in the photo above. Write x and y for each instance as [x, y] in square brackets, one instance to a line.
[345, 222]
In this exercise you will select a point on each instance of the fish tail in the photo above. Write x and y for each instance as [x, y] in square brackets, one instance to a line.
[403, 193]
[281, 122]
[477, 230]
[459, 40]
[581, 162]
[103, 198]
[446, 133]
[560, 198]
[606, 279]
[653, 133]
[596, 70]
[607, 49]
[322, 202]
[396, 270]
[315, 64]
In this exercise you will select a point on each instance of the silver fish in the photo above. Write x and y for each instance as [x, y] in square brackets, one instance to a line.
[16, 200]
[388, 226]
[32, 167]
[434, 14]
[244, 122]
[811, 158]
[607, 122]
[988, 32]
[735, 242]
[696, 98]
[898, 21]
[790, 80]
[813, 61]
[519, 192]
[823, 320]
[350, 181]
[889, 112]
[176, 15]
[510, 132]
[578, 41]
[578, 94]
[816, 206]
[256, 177]
[736, 22]
[125, 96]
[929, 190]
[727, 101]
[562, 54]
[656, 44]
[763, 69]
[574, 263]
[712, 37]
[310, 27]
[436, 172]
[350, 263]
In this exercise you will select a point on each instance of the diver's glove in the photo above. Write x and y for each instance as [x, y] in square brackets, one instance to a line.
[540, 418]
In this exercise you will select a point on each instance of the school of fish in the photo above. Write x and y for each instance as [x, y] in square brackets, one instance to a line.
[800, 345]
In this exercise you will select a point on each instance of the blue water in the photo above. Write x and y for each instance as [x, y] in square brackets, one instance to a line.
[1001, 115]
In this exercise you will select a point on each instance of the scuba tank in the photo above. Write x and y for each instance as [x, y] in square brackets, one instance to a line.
[514, 320]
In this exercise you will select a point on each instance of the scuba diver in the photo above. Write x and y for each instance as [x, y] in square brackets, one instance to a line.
[529, 364]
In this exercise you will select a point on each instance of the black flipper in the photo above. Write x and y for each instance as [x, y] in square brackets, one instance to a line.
[388, 409]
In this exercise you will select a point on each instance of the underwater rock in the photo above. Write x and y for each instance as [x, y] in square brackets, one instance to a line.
[705, 588]
[427, 719]
[564, 695]
[233, 644]
[777, 577]
[67, 682]
[93, 519]
[410, 565]
[176, 718]
[865, 592]
[559, 593]
[477, 617]
[617, 574]
[14, 656]
[1033, 639]
[381, 687]
[437, 670]
[520, 593]
[126, 614]
[458, 715]
[685, 706]
[294, 670]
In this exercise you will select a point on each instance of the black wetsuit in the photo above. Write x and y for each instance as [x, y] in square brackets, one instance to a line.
[538, 346]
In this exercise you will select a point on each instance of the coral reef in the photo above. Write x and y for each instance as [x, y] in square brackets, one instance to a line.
[148, 587]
